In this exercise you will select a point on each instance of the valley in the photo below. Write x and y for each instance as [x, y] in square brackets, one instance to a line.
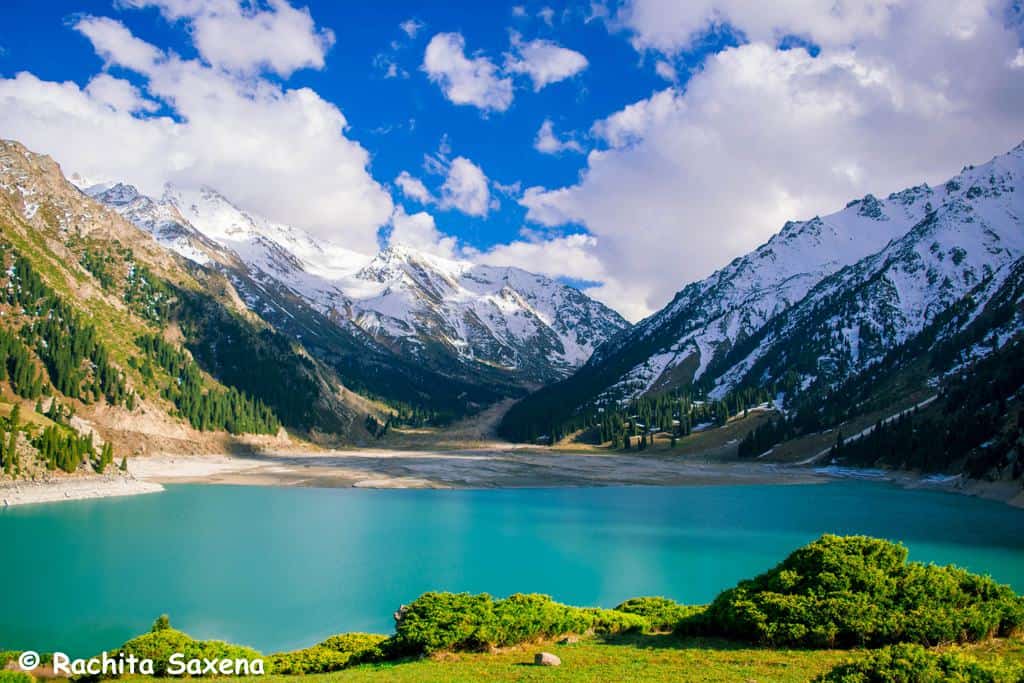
[612, 340]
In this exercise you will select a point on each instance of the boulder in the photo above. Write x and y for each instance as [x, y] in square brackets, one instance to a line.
[546, 659]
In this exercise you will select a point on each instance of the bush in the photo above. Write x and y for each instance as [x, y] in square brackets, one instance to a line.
[311, 660]
[912, 663]
[8, 676]
[460, 621]
[860, 591]
[335, 653]
[661, 614]
[159, 645]
[368, 646]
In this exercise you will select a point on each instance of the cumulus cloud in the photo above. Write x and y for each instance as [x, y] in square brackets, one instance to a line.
[564, 256]
[543, 61]
[419, 231]
[118, 94]
[246, 38]
[466, 80]
[670, 26]
[466, 189]
[547, 15]
[547, 142]
[687, 179]
[413, 188]
[273, 150]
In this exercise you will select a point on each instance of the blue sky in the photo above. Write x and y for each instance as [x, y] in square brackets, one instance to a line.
[695, 129]
[399, 119]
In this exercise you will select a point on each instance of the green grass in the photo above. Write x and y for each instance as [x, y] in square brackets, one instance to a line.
[627, 658]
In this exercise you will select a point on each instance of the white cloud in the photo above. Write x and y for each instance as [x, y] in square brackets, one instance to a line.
[244, 38]
[666, 70]
[547, 15]
[564, 256]
[547, 142]
[518, 11]
[1018, 60]
[465, 80]
[419, 231]
[414, 188]
[691, 178]
[669, 26]
[118, 94]
[411, 27]
[273, 150]
[117, 46]
[466, 189]
[389, 67]
[543, 61]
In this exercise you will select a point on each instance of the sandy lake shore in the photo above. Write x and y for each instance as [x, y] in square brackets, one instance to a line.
[468, 468]
[478, 468]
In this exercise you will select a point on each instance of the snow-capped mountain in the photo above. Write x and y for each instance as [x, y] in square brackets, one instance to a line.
[502, 317]
[827, 297]
[453, 315]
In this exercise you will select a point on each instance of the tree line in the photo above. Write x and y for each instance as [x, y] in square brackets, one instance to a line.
[205, 409]
[77, 363]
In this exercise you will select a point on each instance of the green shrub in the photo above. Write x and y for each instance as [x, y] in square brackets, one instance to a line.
[8, 676]
[368, 646]
[912, 664]
[443, 621]
[860, 591]
[311, 660]
[335, 653]
[460, 621]
[661, 614]
[159, 645]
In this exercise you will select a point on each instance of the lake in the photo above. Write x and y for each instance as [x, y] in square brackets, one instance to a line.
[281, 568]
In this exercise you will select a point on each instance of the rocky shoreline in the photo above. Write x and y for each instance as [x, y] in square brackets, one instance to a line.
[72, 488]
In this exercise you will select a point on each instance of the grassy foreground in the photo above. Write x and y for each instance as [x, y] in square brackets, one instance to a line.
[631, 657]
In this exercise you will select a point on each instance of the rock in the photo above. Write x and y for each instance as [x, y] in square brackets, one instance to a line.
[546, 659]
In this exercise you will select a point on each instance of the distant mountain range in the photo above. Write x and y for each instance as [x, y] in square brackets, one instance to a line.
[184, 314]
[453, 316]
[156, 319]
[822, 303]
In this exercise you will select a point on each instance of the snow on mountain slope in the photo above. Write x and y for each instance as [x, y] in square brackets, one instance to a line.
[447, 313]
[503, 317]
[920, 237]
[967, 242]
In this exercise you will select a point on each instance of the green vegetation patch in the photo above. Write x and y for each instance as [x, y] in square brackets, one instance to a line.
[860, 591]
[465, 622]
[335, 653]
[912, 663]
[661, 614]
[164, 641]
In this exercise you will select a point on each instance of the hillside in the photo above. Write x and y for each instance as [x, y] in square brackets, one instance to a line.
[111, 335]
[833, 317]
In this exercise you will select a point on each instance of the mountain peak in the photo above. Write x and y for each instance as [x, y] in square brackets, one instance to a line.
[118, 194]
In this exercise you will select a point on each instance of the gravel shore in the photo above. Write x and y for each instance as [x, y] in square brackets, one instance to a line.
[73, 488]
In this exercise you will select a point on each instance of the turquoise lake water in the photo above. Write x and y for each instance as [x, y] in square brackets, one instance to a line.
[281, 568]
